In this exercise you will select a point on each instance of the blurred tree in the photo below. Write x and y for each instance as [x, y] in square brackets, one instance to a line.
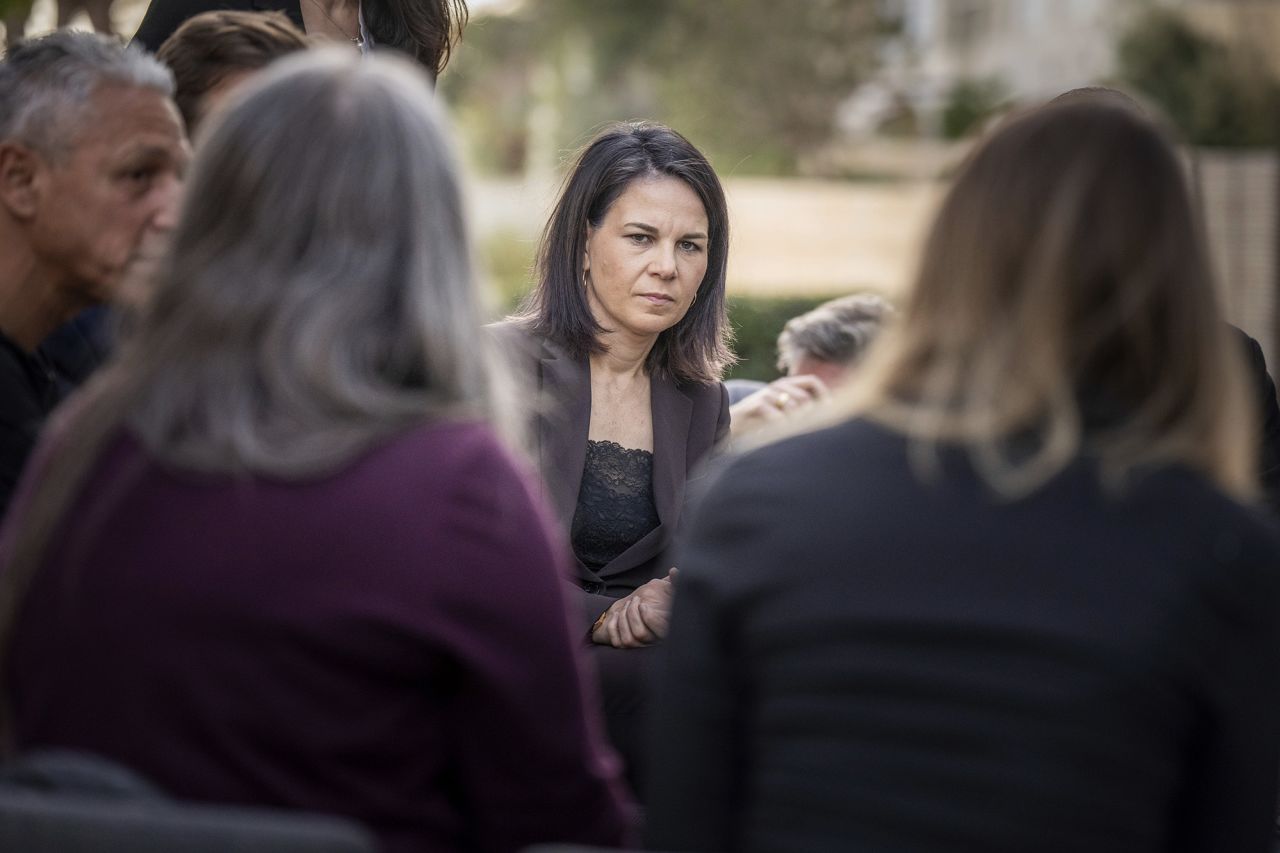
[969, 104]
[14, 14]
[758, 82]
[755, 83]
[487, 85]
[1214, 96]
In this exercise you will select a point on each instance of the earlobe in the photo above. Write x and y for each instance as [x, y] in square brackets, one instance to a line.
[586, 252]
[19, 187]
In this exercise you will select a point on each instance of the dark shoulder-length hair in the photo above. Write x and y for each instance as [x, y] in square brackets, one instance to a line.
[424, 29]
[697, 348]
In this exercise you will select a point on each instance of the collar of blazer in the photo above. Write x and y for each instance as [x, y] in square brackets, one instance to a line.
[564, 386]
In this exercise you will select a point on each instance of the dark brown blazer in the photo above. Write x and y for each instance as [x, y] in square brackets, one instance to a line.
[165, 16]
[688, 420]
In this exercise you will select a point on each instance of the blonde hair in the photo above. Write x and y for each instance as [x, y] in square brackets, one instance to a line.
[1064, 305]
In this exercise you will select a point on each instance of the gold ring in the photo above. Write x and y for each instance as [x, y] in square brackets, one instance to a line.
[782, 400]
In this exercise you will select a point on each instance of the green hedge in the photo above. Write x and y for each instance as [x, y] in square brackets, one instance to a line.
[756, 321]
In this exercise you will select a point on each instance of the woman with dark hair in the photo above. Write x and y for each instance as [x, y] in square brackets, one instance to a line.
[276, 552]
[424, 30]
[1009, 595]
[625, 336]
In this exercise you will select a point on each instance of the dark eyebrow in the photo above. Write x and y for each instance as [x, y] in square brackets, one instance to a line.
[151, 150]
[149, 154]
[649, 229]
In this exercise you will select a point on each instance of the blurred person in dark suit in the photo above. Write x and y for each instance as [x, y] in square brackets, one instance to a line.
[91, 155]
[1011, 595]
[276, 551]
[424, 30]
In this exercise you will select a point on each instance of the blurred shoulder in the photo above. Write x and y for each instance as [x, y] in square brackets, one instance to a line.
[804, 465]
[512, 333]
[443, 450]
[518, 342]
[1206, 513]
[856, 437]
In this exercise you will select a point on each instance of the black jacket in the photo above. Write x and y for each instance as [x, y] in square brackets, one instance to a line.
[861, 658]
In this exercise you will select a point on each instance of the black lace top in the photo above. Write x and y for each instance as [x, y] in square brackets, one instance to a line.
[615, 504]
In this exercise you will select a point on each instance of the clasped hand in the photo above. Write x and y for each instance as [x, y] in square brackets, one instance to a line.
[641, 618]
[779, 399]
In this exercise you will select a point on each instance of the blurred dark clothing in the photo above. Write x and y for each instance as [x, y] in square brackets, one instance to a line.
[860, 659]
[1269, 421]
[389, 642]
[29, 391]
[79, 347]
[165, 16]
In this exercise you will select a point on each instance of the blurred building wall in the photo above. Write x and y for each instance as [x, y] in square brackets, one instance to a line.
[1252, 25]
[1034, 48]
[1240, 193]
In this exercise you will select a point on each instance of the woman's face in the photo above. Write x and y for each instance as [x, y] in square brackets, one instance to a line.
[646, 259]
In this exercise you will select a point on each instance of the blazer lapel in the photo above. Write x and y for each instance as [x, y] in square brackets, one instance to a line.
[671, 412]
[563, 425]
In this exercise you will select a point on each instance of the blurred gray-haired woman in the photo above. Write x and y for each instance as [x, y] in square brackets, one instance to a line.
[277, 546]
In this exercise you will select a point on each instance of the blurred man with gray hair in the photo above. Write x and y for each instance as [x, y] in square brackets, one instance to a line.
[827, 341]
[816, 352]
[91, 156]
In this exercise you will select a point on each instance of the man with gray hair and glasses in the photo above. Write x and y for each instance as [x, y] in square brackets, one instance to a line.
[91, 156]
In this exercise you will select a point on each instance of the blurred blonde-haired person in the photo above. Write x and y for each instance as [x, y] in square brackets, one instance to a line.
[1013, 595]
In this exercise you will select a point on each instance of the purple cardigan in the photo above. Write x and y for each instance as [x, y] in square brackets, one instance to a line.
[389, 643]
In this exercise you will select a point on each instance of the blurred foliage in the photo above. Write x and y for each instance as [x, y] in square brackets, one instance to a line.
[1214, 96]
[902, 123]
[757, 321]
[970, 103]
[754, 83]
[507, 261]
[17, 10]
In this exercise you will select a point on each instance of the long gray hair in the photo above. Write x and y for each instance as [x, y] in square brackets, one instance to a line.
[319, 289]
[317, 297]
